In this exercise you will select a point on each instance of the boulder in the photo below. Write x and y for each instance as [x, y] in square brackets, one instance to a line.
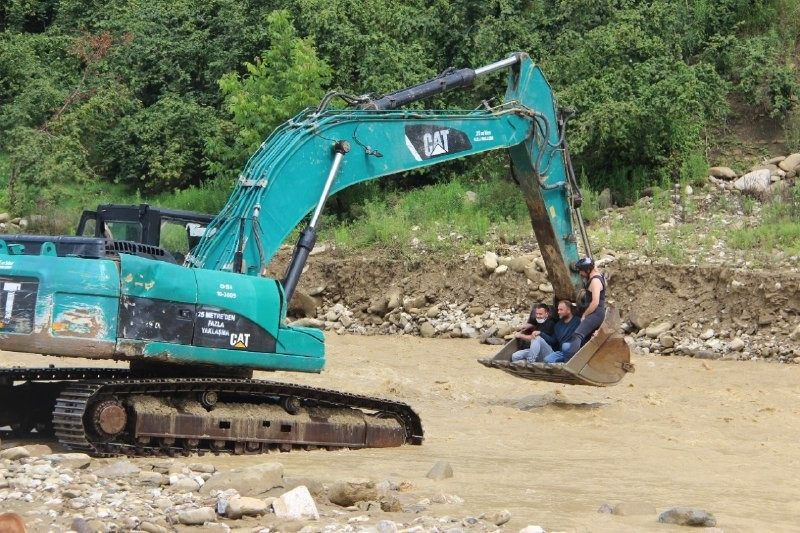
[688, 516]
[197, 517]
[502, 269]
[655, 331]
[707, 334]
[433, 312]
[427, 330]
[415, 302]
[15, 453]
[518, 264]
[795, 334]
[441, 470]
[724, 173]
[347, 493]
[5, 217]
[297, 504]
[253, 480]
[546, 287]
[736, 345]
[754, 182]
[239, 506]
[470, 197]
[791, 163]
[775, 160]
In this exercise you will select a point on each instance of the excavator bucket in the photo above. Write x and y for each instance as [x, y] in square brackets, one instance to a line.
[601, 362]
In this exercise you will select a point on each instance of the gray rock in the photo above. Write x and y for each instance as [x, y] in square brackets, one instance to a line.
[795, 334]
[633, 508]
[688, 516]
[502, 269]
[297, 504]
[15, 453]
[667, 341]
[309, 323]
[724, 173]
[379, 306]
[315, 487]
[792, 162]
[150, 527]
[347, 493]
[386, 526]
[499, 518]
[239, 506]
[775, 160]
[754, 182]
[5, 217]
[197, 517]
[736, 345]
[74, 461]
[38, 450]
[546, 287]
[470, 197]
[204, 468]
[148, 477]
[701, 353]
[606, 508]
[441, 470]
[707, 334]
[251, 481]
[395, 298]
[490, 262]
[654, 331]
[427, 330]
[117, 469]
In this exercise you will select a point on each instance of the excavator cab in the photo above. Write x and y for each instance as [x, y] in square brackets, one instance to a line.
[602, 361]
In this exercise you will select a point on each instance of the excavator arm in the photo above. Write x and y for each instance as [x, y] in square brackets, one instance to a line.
[322, 151]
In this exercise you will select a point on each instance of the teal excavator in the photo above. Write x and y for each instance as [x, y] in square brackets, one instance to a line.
[193, 333]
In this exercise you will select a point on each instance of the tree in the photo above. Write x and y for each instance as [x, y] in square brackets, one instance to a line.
[286, 78]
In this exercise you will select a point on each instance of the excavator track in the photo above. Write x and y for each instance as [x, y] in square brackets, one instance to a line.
[155, 416]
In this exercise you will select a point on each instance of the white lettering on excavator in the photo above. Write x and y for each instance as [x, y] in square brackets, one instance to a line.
[435, 143]
[483, 135]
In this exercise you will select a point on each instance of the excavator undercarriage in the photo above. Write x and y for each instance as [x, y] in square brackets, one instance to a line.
[110, 412]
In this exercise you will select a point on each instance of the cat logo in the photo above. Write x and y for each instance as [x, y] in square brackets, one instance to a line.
[435, 143]
[240, 340]
[427, 141]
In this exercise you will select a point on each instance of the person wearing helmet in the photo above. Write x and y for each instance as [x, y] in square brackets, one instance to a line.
[595, 284]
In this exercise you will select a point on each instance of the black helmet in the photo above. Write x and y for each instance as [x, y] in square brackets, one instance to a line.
[585, 264]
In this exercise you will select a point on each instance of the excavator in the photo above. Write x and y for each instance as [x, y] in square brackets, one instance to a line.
[193, 332]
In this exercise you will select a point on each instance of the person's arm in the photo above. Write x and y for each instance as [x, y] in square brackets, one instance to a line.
[524, 336]
[549, 339]
[594, 288]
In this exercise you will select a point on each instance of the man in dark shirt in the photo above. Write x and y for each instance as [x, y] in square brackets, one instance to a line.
[544, 343]
[538, 322]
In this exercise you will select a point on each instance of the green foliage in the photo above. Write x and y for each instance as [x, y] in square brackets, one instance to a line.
[163, 147]
[285, 79]
[166, 94]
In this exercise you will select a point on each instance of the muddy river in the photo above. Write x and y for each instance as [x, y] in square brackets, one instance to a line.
[719, 435]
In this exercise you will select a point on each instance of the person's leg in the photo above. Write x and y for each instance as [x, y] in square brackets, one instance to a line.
[544, 350]
[519, 355]
[556, 357]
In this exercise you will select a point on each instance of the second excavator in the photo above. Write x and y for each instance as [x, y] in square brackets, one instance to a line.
[193, 333]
